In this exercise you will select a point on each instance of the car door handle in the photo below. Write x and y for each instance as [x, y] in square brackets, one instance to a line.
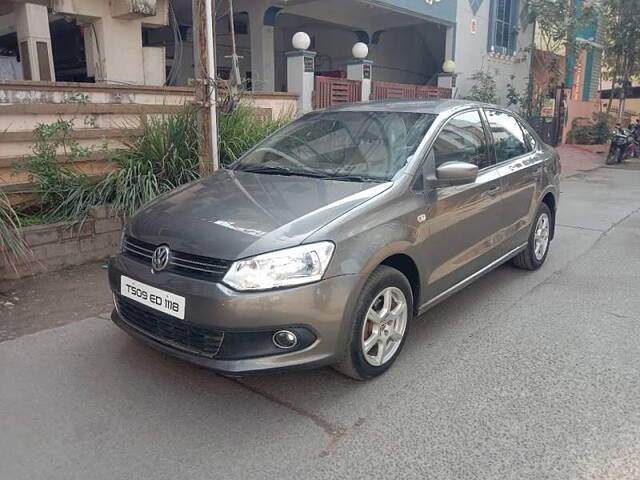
[537, 172]
[493, 191]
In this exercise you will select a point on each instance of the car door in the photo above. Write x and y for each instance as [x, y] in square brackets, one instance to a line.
[520, 166]
[465, 221]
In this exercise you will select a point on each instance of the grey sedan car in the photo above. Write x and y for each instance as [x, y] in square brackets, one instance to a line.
[321, 244]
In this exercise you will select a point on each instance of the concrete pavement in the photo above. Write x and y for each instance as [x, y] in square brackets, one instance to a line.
[522, 375]
[579, 158]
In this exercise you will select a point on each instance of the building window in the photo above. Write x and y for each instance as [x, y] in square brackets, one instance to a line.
[503, 26]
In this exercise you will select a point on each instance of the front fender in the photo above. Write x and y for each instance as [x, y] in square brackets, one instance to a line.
[362, 253]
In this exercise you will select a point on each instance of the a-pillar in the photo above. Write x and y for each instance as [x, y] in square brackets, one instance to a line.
[301, 77]
[34, 39]
[361, 70]
[261, 29]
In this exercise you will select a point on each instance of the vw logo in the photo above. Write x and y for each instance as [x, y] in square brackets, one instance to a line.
[160, 258]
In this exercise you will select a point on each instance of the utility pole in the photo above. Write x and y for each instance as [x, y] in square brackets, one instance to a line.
[205, 83]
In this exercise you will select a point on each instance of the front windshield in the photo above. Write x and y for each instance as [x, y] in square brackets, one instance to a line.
[343, 145]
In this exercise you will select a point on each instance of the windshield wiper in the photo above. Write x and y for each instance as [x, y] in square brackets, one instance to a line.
[264, 169]
[271, 170]
[350, 178]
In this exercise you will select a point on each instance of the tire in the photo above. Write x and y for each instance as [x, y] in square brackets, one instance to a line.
[357, 363]
[530, 258]
[613, 156]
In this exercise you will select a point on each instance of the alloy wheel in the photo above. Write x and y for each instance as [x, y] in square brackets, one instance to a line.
[541, 237]
[384, 326]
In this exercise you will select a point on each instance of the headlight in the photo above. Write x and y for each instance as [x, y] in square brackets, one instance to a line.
[284, 268]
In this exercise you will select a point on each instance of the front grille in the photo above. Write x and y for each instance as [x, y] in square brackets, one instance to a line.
[195, 266]
[178, 333]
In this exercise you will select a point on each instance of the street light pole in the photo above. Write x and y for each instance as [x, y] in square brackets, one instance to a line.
[205, 83]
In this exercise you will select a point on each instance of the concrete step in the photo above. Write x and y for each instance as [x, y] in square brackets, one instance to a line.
[9, 162]
[80, 134]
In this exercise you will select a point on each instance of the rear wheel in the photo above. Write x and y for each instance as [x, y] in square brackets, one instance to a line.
[382, 316]
[623, 155]
[537, 249]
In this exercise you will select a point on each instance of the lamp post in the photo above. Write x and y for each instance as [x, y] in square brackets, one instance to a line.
[449, 66]
[447, 79]
[361, 69]
[301, 41]
[301, 71]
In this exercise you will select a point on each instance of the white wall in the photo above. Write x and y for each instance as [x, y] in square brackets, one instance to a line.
[472, 53]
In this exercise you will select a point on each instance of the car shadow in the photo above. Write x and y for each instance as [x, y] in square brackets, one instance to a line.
[326, 394]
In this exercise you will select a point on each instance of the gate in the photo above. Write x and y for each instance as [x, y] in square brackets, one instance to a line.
[390, 90]
[551, 127]
[331, 91]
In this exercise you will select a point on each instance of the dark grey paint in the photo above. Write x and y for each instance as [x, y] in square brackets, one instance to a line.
[232, 215]
[452, 234]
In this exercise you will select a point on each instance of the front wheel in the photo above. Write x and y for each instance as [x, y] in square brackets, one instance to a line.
[382, 316]
[613, 155]
[532, 257]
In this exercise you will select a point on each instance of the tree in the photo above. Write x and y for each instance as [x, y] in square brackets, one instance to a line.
[557, 22]
[621, 24]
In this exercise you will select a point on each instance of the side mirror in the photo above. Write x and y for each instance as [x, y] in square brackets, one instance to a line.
[456, 173]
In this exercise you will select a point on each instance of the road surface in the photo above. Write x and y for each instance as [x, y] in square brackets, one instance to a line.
[520, 376]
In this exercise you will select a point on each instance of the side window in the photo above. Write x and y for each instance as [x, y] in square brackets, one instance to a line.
[508, 137]
[462, 139]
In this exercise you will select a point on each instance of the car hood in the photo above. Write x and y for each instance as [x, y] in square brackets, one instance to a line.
[232, 215]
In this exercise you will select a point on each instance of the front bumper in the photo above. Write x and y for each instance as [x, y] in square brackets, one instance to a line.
[322, 308]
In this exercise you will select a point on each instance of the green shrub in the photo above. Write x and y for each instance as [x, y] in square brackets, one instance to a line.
[601, 130]
[484, 88]
[596, 132]
[12, 245]
[62, 192]
[164, 157]
[241, 129]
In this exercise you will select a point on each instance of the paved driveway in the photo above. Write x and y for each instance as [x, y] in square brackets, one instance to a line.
[522, 375]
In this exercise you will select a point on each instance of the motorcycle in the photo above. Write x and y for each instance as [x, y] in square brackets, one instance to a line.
[622, 145]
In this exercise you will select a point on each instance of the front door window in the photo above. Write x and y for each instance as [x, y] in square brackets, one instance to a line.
[463, 139]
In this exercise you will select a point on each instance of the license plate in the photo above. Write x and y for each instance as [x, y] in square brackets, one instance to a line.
[152, 297]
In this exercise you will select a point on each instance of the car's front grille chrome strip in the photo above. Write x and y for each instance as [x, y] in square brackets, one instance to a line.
[204, 268]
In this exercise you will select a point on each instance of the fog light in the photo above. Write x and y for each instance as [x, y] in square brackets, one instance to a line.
[285, 339]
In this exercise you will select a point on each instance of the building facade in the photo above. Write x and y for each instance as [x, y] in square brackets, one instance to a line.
[150, 42]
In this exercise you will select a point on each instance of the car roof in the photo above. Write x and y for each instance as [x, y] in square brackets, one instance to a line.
[435, 106]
